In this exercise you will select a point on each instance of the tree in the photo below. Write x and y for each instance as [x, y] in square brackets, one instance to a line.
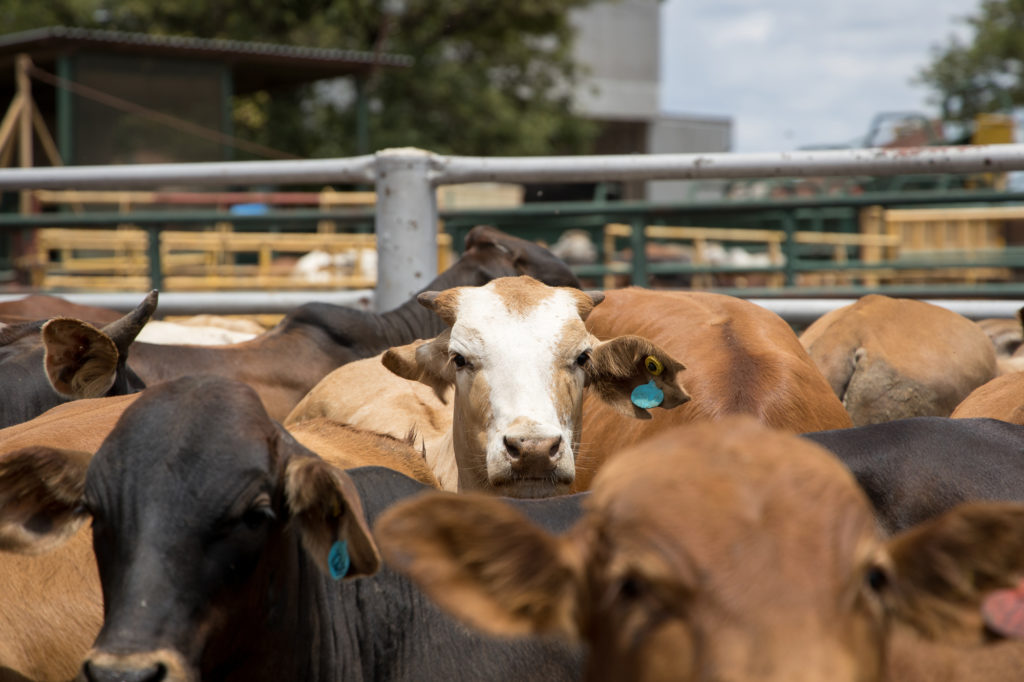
[490, 76]
[985, 75]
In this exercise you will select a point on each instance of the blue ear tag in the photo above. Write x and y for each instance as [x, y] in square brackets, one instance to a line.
[646, 396]
[338, 561]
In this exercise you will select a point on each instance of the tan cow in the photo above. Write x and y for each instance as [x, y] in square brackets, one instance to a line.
[740, 359]
[891, 358]
[51, 606]
[722, 551]
[1002, 398]
[366, 395]
[1006, 335]
[519, 357]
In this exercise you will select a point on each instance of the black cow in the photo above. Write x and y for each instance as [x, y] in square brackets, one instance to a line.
[316, 338]
[216, 535]
[917, 468]
[48, 362]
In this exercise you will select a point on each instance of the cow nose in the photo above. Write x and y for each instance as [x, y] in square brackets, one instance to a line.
[99, 673]
[533, 456]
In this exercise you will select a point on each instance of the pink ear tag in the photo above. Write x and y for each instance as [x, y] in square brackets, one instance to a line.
[1003, 612]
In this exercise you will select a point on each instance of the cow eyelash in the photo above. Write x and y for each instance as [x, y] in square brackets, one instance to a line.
[583, 358]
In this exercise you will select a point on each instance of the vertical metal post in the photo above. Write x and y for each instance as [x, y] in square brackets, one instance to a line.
[638, 241]
[406, 226]
[789, 225]
[156, 267]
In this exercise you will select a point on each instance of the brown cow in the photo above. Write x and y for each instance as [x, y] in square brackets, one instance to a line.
[519, 357]
[740, 359]
[891, 358]
[1002, 398]
[283, 364]
[719, 551]
[43, 306]
[51, 606]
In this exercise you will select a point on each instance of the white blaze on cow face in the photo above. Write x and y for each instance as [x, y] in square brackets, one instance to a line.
[518, 348]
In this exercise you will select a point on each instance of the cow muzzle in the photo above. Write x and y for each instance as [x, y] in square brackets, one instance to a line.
[152, 666]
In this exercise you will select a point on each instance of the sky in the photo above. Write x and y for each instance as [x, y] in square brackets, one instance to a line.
[791, 73]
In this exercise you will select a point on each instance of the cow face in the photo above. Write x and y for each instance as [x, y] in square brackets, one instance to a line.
[718, 551]
[203, 511]
[519, 357]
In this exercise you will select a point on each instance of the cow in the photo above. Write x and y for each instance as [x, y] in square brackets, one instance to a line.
[47, 362]
[227, 550]
[890, 358]
[719, 551]
[43, 306]
[287, 361]
[1001, 398]
[740, 359]
[365, 394]
[519, 357]
[1006, 335]
[914, 469]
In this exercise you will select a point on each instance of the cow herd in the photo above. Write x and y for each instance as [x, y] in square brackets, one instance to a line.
[509, 478]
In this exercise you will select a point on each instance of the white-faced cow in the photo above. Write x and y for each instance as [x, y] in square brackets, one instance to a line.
[283, 364]
[228, 551]
[48, 362]
[891, 358]
[519, 357]
[722, 551]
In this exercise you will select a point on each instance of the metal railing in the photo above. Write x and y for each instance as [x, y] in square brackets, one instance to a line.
[405, 180]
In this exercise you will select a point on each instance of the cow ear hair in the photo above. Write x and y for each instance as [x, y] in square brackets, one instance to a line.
[944, 568]
[424, 361]
[80, 360]
[484, 562]
[41, 491]
[632, 374]
[324, 502]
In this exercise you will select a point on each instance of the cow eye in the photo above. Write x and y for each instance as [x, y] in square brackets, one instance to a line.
[631, 588]
[877, 579]
[258, 516]
[583, 358]
[458, 360]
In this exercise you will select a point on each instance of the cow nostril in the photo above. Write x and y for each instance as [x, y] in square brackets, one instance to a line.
[153, 673]
[556, 445]
[512, 448]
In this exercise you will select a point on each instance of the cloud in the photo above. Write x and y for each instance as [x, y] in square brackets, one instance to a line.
[800, 71]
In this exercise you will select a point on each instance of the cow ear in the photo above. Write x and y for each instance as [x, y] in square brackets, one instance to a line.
[41, 497]
[424, 361]
[943, 568]
[483, 562]
[324, 502]
[633, 375]
[80, 360]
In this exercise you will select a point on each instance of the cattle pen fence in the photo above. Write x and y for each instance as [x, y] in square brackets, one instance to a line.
[406, 215]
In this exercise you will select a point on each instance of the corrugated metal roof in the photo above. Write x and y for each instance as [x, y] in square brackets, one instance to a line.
[24, 40]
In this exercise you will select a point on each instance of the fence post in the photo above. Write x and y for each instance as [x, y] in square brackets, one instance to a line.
[406, 224]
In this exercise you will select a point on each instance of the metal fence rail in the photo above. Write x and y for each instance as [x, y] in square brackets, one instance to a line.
[405, 181]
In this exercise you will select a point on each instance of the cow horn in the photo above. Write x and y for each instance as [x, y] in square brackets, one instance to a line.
[122, 332]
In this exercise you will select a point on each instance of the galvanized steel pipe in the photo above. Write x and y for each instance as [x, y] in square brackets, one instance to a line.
[359, 169]
[406, 226]
[872, 161]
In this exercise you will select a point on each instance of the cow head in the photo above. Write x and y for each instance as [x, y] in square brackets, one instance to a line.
[519, 356]
[203, 510]
[719, 551]
[78, 360]
[497, 254]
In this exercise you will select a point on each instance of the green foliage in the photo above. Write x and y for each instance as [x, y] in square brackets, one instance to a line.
[985, 75]
[490, 76]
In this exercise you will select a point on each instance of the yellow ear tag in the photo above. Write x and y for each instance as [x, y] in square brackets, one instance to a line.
[335, 508]
[653, 365]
